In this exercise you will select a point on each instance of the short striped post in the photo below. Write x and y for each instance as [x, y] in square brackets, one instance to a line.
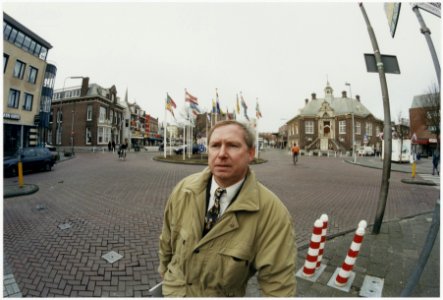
[324, 219]
[351, 257]
[314, 246]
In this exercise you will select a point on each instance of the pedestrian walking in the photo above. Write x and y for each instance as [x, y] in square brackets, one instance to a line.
[123, 149]
[109, 146]
[435, 161]
[113, 146]
[221, 226]
[295, 151]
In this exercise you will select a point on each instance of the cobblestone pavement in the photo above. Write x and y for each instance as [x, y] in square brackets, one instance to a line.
[113, 205]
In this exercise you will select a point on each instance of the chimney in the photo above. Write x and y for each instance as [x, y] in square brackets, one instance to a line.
[306, 101]
[357, 97]
[85, 86]
[343, 94]
[313, 96]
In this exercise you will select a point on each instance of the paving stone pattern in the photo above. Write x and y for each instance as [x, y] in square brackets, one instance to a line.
[115, 205]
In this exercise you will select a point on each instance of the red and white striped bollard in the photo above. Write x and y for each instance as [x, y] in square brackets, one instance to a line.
[351, 257]
[324, 219]
[314, 246]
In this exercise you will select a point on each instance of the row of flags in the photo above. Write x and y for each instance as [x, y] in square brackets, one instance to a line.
[194, 108]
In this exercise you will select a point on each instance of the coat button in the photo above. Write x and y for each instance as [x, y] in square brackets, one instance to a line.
[197, 251]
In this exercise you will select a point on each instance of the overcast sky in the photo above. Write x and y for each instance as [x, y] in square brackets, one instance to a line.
[279, 53]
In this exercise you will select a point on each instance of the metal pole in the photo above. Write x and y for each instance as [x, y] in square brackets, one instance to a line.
[354, 154]
[427, 33]
[387, 134]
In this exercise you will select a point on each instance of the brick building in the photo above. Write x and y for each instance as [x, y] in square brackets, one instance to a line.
[85, 117]
[325, 124]
[424, 116]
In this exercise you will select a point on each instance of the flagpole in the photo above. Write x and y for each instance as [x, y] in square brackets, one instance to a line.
[164, 131]
[256, 130]
[206, 132]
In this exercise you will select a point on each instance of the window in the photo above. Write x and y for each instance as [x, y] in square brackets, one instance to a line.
[357, 128]
[49, 139]
[32, 75]
[89, 113]
[377, 131]
[28, 102]
[59, 135]
[309, 127]
[59, 116]
[20, 38]
[341, 127]
[111, 116]
[5, 61]
[102, 115]
[88, 136]
[100, 134]
[19, 69]
[14, 98]
[368, 130]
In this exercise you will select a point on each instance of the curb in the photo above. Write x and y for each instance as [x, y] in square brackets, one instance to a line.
[14, 191]
[419, 182]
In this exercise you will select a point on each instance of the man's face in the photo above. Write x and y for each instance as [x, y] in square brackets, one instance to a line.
[229, 155]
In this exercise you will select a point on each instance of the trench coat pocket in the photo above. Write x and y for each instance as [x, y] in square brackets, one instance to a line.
[234, 266]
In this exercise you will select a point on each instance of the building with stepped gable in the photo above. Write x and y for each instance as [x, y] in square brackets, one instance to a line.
[325, 124]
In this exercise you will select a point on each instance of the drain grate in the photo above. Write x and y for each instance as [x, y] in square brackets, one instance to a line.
[64, 226]
[112, 257]
[372, 287]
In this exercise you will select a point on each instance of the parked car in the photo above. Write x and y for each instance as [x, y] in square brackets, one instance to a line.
[53, 151]
[179, 150]
[365, 151]
[32, 158]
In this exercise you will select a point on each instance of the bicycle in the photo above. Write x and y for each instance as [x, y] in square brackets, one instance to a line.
[122, 153]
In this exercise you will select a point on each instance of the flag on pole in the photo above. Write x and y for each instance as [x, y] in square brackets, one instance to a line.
[245, 107]
[214, 107]
[194, 108]
[170, 104]
[257, 111]
[218, 110]
[189, 98]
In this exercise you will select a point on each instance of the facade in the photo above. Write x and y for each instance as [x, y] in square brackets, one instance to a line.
[152, 135]
[424, 116]
[85, 117]
[28, 82]
[325, 124]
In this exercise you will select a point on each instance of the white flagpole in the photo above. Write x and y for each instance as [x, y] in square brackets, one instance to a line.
[206, 132]
[164, 132]
[256, 132]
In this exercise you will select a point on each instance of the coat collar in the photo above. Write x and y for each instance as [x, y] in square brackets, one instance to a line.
[247, 199]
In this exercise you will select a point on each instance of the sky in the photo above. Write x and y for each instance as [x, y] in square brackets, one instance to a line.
[278, 53]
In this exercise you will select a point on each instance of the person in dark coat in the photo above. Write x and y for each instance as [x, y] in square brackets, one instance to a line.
[109, 146]
[435, 161]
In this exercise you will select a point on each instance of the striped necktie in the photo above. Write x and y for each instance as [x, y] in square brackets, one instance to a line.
[214, 212]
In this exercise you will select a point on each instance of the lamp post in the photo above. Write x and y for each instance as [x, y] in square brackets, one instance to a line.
[73, 112]
[354, 155]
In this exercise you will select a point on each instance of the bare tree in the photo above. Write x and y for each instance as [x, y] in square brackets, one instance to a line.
[432, 103]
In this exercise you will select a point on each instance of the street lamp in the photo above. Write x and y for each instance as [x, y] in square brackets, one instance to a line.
[73, 112]
[353, 123]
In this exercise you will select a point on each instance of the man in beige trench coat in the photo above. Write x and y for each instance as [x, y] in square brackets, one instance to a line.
[221, 226]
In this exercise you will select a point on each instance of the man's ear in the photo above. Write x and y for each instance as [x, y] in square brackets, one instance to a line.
[251, 153]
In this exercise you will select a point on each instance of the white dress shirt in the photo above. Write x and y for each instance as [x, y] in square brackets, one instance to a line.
[227, 197]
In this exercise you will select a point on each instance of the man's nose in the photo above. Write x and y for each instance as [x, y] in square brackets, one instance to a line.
[222, 151]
